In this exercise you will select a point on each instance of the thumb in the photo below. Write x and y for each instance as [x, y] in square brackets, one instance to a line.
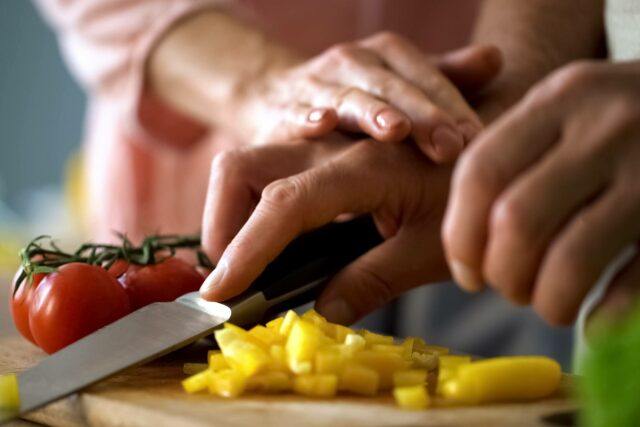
[471, 68]
[382, 274]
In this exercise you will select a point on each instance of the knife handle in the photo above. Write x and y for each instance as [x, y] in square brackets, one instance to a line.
[299, 273]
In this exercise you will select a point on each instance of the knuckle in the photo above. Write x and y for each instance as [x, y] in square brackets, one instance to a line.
[283, 193]
[227, 162]
[510, 217]
[474, 170]
[388, 38]
[574, 76]
[341, 52]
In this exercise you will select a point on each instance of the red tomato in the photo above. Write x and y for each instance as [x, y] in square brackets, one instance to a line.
[118, 268]
[20, 301]
[73, 302]
[165, 281]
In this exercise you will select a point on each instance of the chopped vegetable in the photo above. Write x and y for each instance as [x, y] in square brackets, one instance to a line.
[312, 357]
[413, 397]
[9, 396]
[504, 378]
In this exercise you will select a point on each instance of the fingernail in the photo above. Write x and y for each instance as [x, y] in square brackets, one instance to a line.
[213, 280]
[317, 115]
[465, 276]
[448, 142]
[469, 130]
[388, 119]
[338, 311]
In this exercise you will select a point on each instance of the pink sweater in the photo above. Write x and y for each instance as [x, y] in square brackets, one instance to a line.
[146, 165]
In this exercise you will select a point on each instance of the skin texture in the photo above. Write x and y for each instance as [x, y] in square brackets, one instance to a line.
[382, 86]
[403, 190]
[73, 302]
[552, 187]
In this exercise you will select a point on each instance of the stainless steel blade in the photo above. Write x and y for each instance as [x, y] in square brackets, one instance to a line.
[143, 335]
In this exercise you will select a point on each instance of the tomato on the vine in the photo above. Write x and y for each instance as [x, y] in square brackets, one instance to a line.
[72, 302]
[164, 281]
[20, 301]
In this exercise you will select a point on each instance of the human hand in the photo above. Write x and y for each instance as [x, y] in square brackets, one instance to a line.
[383, 86]
[303, 186]
[549, 194]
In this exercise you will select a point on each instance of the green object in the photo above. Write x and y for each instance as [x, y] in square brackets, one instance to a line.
[610, 389]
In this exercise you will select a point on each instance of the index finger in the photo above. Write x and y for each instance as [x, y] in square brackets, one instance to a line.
[289, 207]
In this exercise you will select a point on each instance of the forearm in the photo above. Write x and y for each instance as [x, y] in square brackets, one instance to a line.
[206, 65]
[535, 37]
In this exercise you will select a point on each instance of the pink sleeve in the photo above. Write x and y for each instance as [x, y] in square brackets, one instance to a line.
[106, 44]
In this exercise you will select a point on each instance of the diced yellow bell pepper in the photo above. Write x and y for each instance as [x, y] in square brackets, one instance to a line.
[407, 346]
[246, 357]
[193, 368]
[9, 393]
[435, 349]
[315, 385]
[385, 364]
[412, 397]
[388, 348]
[278, 358]
[275, 324]
[302, 343]
[287, 323]
[313, 317]
[339, 332]
[359, 379]
[354, 343]
[197, 382]
[372, 338]
[504, 378]
[410, 377]
[227, 383]
[329, 360]
[217, 362]
[270, 382]
[265, 335]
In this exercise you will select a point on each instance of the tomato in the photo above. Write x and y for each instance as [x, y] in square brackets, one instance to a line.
[164, 281]
[20, 301]
[72, 302]
[118, 268]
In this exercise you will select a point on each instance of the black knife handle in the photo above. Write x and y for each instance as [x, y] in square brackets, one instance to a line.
[300, 272]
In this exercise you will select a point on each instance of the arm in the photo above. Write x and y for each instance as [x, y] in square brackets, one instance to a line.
[535, 37]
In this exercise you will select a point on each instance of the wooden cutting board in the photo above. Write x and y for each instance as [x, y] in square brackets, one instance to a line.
[151, 395]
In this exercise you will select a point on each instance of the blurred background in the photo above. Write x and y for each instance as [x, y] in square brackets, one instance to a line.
[41, 110]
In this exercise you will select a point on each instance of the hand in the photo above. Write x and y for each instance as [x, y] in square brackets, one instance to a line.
[383, 86]
[549, 194]
[304, 186]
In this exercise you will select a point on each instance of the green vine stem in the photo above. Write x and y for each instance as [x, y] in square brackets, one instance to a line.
[42, 255]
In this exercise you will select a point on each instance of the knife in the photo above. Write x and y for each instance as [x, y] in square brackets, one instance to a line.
[294, 278]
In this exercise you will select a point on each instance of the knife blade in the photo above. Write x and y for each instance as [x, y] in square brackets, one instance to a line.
[294, 278]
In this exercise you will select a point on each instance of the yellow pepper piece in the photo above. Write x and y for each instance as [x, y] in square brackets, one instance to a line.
[504, 378]
[453, 361]
[407, 346]
[437, 349]
[265, 335]
[324, 385]
[301, 346]
[217, 362]
[275, 324]
[197, 382]
[359, 379]
[385, 364]
[409, 378]
[9, 394]
[313, 317]
[246, 357]
[227, 383]
[412, 397]
[339, 332]
[287, 322]
[388, 348]
[424, 361]
[372, 338]
[270, 382]
[193, 368]
[354, 343]
[329, 361]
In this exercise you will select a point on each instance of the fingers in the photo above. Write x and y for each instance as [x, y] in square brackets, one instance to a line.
[380, 275]
[526, 216]
[582, 250]
[297, 121]
[471, 68]
[361, 111]
[236, 180]
[504, 151]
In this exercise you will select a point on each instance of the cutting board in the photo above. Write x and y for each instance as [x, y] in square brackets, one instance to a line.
[151, 395]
